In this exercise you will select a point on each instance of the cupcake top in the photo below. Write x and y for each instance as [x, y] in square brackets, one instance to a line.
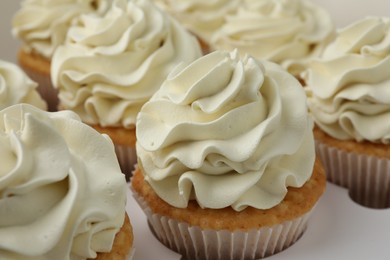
[226, 131]
[42, 24]
[16, 87]
[113, 64]
[348, 87]
[202, 17]
[62, 193]
[288, 32]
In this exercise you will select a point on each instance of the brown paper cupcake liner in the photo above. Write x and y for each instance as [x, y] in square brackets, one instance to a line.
[192, 242]
[366, 177]
[127, 158]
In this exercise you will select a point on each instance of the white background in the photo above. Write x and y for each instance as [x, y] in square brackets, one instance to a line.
[338, 229]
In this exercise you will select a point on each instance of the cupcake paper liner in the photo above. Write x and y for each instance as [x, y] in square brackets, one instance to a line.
[366, 177]
[45, 88]
[193, 242]
[127, 158]
[131, 254]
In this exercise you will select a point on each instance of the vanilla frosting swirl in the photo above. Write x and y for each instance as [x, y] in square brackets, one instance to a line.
[288, 32]
[348, 86]
[16, 87]
[113, 64]
[42, 24]
[62, 193]
[226, 132]
[203, 17]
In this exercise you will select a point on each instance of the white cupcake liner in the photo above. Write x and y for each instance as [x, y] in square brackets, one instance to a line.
[45, 88]
[366, 177]
[127, 158]
[131, 253]
[193, 242]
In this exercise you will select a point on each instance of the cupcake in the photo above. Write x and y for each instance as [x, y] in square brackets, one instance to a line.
[202, 18]
[63, 195]
[226, 159]
[16, 87]
[113, 64]
[349, 101]
[42, 27]
[288, 32]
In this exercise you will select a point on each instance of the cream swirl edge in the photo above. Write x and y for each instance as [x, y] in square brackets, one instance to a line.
[346, 89]
[113, 95]
[255, 157]
[202, 18]
[43, 27]
[16, 87]
[289, 39]
[64, 186]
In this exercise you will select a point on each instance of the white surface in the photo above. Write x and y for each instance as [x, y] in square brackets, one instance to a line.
[8, 45]
[338, 229]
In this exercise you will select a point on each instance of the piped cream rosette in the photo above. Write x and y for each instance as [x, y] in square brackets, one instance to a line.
[42, 25]
[348, 96]
[62, 193]
[226, 136]
[288, 32]
[113, 64]
[238, 128]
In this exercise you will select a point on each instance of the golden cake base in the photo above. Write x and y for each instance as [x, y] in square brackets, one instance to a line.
[122, 244]
[38, 69]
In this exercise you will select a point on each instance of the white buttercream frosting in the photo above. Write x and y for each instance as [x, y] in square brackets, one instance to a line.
[203, 17]
[113, 64]
[62, 195]
[227, 132]
[288, 32]
[348, 87]
[16, 87]
[42, 24]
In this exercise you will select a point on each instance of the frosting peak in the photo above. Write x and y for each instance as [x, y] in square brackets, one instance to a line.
[226, 132]
[61, 185]
[365, 37]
